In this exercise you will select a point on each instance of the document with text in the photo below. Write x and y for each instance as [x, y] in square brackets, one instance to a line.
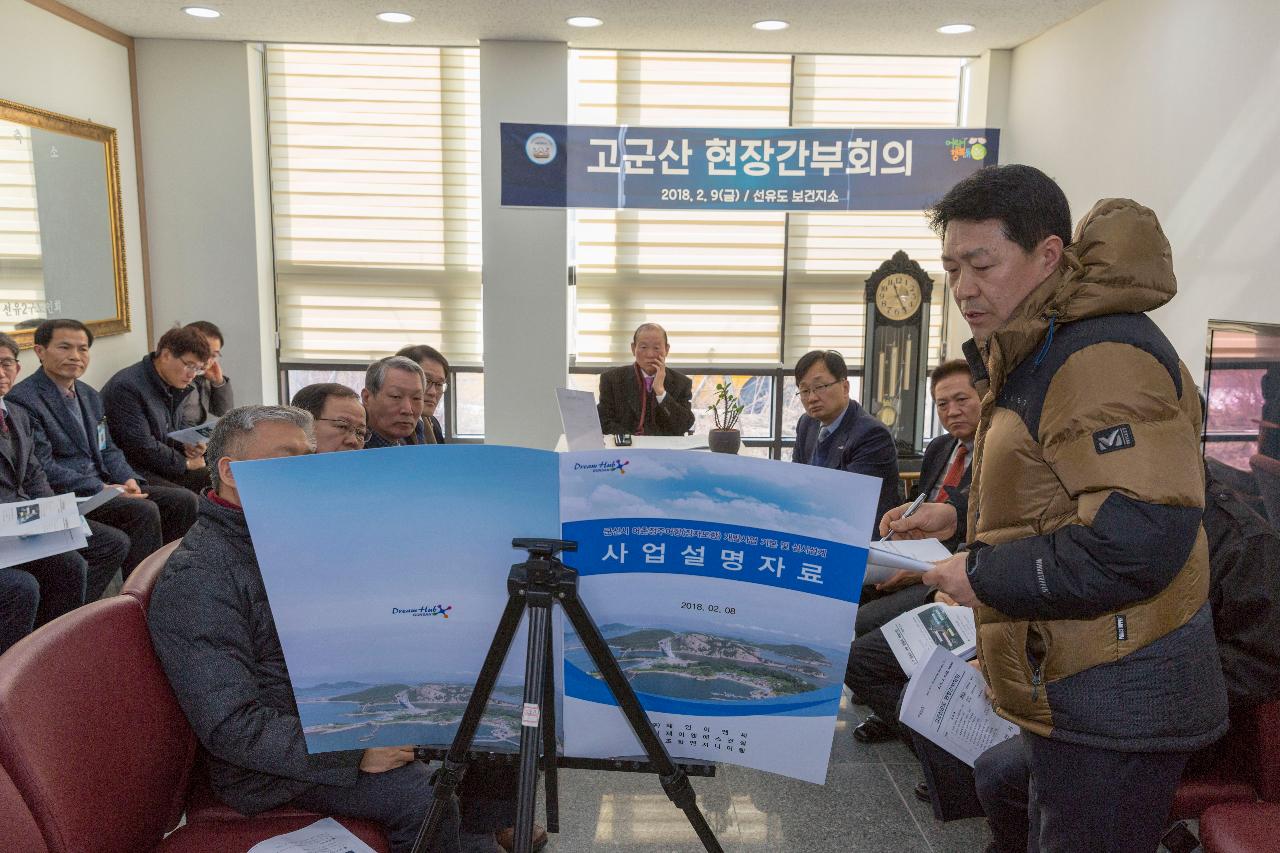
[323, 836]
[43, 515]
[912, 555]
[946, 702]
[913, 635]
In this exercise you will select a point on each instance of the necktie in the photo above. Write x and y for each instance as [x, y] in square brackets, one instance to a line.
[4, 422]
[954, 474]
[824, 434]
[648, 384]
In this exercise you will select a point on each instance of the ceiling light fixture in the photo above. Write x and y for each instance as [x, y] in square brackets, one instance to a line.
[583, 21]
[395, 17]
[770, 25]
[955, 29]
[201, 12]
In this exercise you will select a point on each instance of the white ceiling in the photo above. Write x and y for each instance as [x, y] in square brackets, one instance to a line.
[817, 26]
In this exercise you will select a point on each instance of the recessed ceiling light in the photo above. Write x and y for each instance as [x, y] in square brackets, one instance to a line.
[395, 17]
[770, 25]
[955, 29]
[583, 21]
[201, 12]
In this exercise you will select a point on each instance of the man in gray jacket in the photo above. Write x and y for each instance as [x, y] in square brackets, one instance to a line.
[213, 631]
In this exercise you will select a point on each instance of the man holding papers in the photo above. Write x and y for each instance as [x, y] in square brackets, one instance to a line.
[1087, 567]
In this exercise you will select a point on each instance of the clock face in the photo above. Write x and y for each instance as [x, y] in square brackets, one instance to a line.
[898, 296]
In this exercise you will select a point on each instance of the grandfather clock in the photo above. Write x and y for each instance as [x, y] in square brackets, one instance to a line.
[897, 340]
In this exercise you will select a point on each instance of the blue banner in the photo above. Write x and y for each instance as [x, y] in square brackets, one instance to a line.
[738, 169]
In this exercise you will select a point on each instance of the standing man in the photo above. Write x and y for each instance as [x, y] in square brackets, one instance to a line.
[212, 396]
[1088, 568]
[393, 398]
[835, 432]
[435, 367]
[646, 397]
[76, 451]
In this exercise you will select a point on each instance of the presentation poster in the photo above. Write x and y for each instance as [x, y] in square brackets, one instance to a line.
[726, 587]
[386, 571]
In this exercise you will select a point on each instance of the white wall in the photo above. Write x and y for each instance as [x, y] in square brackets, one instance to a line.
[53, 64]
[201, 106]
[1172, 103]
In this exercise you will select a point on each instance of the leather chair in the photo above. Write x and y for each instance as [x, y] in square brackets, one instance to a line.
[1241, 828]
[17, 826]
[144, 576]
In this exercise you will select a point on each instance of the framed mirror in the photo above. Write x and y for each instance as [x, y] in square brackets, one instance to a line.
[61, 224]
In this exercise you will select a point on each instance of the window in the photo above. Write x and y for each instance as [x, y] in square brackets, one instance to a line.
[1242, 387]
[375, 183]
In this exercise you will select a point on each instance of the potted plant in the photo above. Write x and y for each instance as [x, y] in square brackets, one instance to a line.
[725, 408]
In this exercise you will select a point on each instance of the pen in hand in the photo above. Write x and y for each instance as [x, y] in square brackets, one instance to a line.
[915, 505]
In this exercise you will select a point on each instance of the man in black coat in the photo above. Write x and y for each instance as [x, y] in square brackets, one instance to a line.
[212, 396]
[646, 397]
[144, 404]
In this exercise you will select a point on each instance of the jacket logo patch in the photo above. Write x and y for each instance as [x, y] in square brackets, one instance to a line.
[1122, 629]
[1113, 438]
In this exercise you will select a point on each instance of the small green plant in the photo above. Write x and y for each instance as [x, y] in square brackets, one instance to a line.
[725, 408]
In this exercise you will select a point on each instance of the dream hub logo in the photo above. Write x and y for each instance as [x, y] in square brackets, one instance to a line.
[619, 465]
[434, 610]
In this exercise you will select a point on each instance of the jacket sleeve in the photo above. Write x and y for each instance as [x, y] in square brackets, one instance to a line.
[1139, 492]
[221, 399]
[611, 408]
[131, 430]
[873, 454]
[675, 413]
[61, 477]
[201, 635]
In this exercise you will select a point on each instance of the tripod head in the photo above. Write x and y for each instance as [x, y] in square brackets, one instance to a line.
[543, 549]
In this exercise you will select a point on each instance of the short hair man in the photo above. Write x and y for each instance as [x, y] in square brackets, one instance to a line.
[1087, 565]
[76, 450]
[212, 396]
[836, 432]
[144, 402]
[393, 396]
[34, 592]
[212, 629]
[339, 417]
[435, 369]
[646, 397]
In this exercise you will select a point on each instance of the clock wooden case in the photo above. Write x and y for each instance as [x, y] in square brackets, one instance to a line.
[897, 341]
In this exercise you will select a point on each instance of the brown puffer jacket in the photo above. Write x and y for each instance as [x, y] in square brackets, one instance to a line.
[1088, 554]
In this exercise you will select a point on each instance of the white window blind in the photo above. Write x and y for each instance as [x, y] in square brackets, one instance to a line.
[713, 279]
[375, 176]
[21, 270]
[829, 255]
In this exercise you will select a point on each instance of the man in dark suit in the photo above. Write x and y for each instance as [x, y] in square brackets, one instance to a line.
[873, 673]
[435, 369]
[339, 417]
[646, 397]
[835, 432]
[76, 451]
[34, 592]
[212, 396]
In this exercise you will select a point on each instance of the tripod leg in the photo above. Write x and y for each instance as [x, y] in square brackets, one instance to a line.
[454, 765]
[534, 694]
[549, 746]
[674, 780]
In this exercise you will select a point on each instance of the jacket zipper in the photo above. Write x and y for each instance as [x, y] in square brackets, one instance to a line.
[1035, 658]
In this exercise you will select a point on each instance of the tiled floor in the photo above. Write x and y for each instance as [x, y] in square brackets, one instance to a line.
[867, 806]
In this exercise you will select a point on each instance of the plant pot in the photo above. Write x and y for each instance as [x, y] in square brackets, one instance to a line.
[724, 440]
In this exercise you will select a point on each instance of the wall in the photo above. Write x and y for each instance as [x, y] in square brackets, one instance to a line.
[1171, 103]
[201, 109]
[53, 64]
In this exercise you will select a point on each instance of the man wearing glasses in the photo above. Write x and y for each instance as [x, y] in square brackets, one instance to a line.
[835, 432]
[143, 404]
[436, 369]
[212, 396]
[339, 417]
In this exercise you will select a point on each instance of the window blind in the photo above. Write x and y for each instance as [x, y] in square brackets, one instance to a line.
[21, 270]
[713, 279]
[375, 179]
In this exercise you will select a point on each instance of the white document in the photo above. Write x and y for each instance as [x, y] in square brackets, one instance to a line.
[913, 555]
[913, 635]
[24, 549]
[323, 836]
[89, 504]
[43, 515]
[581, 419]
[196, 434]
[946, 702]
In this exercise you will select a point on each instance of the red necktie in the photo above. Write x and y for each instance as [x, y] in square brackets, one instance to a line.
[954, 474]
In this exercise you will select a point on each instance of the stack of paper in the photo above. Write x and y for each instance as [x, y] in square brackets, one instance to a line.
[946, 702]
[914, 555]
[30, 530]
[914, 634]
[323, 836]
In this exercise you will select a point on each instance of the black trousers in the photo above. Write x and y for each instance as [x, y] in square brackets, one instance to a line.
[875, 608]
[106, 553]
[33, 593]
[874, 675]
[165, 515]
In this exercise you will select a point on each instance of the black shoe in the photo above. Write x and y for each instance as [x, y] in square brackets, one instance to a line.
[874, 730]
[922, 792]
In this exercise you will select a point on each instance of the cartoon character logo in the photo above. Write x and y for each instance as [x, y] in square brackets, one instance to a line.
[540, 148]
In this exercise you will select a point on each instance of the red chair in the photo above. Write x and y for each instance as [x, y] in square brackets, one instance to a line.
[17, 826]
[144, 576]
[1241, 828]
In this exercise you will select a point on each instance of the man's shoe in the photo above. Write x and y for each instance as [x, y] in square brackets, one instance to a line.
[922, 792]
[874, 730]
[506, 838]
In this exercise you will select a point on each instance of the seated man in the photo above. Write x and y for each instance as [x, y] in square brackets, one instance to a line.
[64, 580]
[835, 432]
[76, 451]
[339, 417]
[212, 396]
[646, 397]
[212, 629]
[436, 369]
[393, 398]
[873, 673]
[143, 402]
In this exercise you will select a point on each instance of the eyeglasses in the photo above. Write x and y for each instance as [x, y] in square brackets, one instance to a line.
[196, 369]
[8, 363]
[362, 433]
[431, 383]
[808, 392]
